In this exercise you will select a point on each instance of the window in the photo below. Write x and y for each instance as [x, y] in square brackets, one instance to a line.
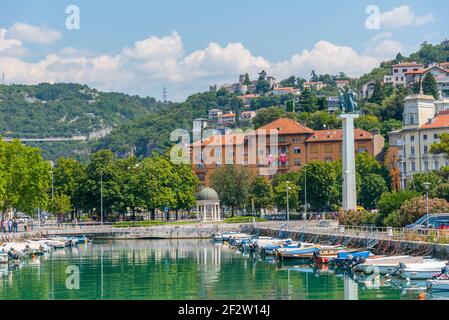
[297, 150]
[437, 165]
[200, 165]
[412, 138]
[412, 150]
[424, 137]
[426, 149]
[404, 70]
[218, 152]
[412, 120]
[435, 136]
[426, 165]
[395, 70]
[202, 177]
[297, 162]
[413, 167]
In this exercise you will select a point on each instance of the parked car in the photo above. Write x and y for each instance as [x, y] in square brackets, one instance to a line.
[421, 223]
[442, 225]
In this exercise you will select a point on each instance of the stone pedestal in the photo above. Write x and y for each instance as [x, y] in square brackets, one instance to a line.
[348, 157]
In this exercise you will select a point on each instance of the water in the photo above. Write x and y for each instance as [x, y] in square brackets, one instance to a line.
[180, 269]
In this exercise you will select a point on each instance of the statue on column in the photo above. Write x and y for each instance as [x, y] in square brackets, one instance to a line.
[348, 101]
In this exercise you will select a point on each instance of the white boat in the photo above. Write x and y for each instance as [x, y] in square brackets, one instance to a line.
[3, 258]
[438, 285]
[426, 270]
[386, 265]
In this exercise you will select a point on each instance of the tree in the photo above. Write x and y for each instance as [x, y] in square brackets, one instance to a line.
[320, 120]
[393, 107]
[390, 202]
[368, 123]
[430, 86]
[442, 146]
[378, 94]
[24, 178]
[322, 192]
[155, 184]
[289, 82]
[417, 183]
[373, 186]
[265, 116]
[391, 162]
[280, 195]
[260, 193]
[307, 101]
[60, 204]
[184, 187]
[232, 185]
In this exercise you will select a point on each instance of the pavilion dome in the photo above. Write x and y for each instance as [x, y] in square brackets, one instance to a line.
[207, 194]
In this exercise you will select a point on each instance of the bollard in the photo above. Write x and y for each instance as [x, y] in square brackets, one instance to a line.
[389, 232]
[341, 229]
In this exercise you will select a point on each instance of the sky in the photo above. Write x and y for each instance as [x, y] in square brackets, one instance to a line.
[137, 47]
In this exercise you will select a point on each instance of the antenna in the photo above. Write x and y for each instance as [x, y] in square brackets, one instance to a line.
[3, 79]
[164, 94]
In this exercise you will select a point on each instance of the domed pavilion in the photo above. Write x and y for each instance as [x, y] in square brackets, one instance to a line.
[208, 205]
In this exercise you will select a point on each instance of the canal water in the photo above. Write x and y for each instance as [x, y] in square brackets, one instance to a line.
[182, 269]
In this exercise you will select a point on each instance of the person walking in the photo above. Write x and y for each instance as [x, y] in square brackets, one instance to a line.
[4, 226]
[9, 226]
[15, 226]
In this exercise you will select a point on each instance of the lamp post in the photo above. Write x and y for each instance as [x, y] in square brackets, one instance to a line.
[288, 211]
[101, 196]
[427, 186]
[305, 193]
[52, 179]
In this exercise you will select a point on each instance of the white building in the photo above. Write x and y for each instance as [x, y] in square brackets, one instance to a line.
[226, 119]
[279, 91]
[421, 128]
[368, 89]
[399, 71]
[247, 116]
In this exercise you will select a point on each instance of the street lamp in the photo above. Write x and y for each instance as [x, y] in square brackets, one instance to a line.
[101, 196]
[305, 193]
[426, 186]
[288, 211]
[52, 179]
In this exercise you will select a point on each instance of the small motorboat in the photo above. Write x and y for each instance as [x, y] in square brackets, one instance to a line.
[429, 269]
[349, 259]
[297, 253]
[385, 265]
[438, 285]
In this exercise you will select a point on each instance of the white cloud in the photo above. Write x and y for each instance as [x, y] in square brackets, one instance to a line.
[5, 43]
[382, 45]
[150, 63]
[403, 16]
[27, 32]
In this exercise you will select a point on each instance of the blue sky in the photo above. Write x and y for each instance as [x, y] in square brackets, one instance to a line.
[190, 44]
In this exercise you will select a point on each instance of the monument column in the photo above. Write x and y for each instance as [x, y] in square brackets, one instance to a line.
[348, 157]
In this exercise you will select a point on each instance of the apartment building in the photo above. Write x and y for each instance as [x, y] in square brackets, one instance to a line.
[314, 85]
[440, 73]
[399, 73]
[296, 145]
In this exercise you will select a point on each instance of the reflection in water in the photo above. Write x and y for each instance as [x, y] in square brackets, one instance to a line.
[180, 269]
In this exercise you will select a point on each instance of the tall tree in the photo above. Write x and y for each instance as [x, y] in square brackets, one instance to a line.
[260, 193]
[280, 195]
[232, 185]
[429, 86]
[378, 94]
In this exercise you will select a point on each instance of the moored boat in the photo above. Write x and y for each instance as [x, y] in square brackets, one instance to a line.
[426, 270]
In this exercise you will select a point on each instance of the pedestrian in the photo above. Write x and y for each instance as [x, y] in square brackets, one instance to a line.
[9, 226]
[15, 225]
[4, 226]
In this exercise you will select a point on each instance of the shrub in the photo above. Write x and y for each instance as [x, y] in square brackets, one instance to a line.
[390, 202]
[128, 224]
[357, 217]
[243, 220]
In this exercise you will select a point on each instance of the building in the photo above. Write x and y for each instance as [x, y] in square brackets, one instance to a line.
[399, 72]
[296, 145]
[342, 83]
[439, 71]
[314, 85]
[226, 119]
[247, 98]
[367, 90]
[278, 91]
[422, 126]
[333, 104]
[214, 114]
[200, 124]
[246, 117]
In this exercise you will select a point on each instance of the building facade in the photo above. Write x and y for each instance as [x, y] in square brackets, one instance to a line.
[296, 145]
[399, 73]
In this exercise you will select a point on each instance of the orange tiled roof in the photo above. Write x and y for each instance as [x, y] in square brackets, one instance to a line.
[440, 121]
[286, 126]
[408, 64]
[422, 71]
[228, 115]
[220, 140]
[337, 135]
[248, 96]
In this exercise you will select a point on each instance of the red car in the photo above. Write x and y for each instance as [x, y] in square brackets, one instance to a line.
[442, 225]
